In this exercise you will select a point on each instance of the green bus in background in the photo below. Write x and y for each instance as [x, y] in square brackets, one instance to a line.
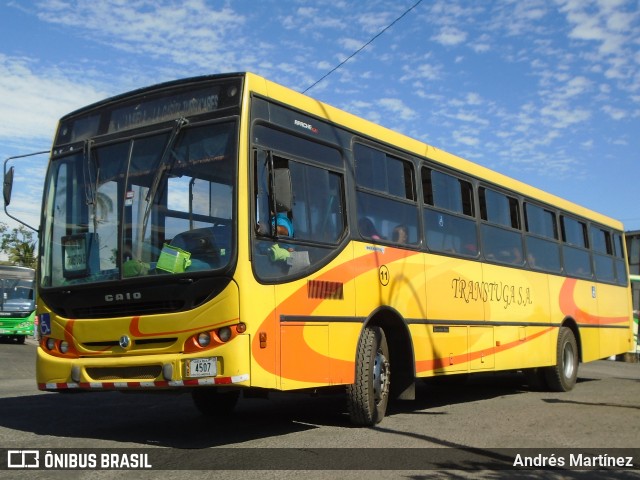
[17, 302]
[635, 283]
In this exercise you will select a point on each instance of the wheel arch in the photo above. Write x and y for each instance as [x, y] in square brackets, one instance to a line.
[401, 352]
[570, 323]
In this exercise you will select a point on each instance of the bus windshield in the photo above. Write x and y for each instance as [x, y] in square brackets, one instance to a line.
[154, 204]
[17, 295]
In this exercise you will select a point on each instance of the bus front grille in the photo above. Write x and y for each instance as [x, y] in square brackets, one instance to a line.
[143, 372]
[139, 344]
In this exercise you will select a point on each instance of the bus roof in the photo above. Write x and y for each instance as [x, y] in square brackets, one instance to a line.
[340, 117]
[261, 85]
[12, 271]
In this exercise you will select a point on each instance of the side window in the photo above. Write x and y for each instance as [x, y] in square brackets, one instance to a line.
[376, 170]
[543, 249]
[499, 209]
[602, 246]
[622, 277]
[501, 237]
[299, 215]
[450, 226]
[577, 261]
[317, 204]
[386, 197]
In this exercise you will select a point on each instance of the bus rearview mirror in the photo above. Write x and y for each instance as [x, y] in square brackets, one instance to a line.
[7, 186]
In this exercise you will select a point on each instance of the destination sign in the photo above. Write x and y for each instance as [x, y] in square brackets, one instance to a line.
[149, 107]
[164, 109]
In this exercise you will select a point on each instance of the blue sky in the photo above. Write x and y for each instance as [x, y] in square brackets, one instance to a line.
[545, 91]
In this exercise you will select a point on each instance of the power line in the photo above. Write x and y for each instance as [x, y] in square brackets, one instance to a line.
[363, 46]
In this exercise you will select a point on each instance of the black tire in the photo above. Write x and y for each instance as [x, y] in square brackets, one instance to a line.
[563, 375]
[213, 402]
[20, 339]
[367, 398]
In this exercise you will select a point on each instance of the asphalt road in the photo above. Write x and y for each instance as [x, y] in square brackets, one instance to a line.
[493, 416]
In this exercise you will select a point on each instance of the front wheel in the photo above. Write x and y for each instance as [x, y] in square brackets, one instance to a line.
[563, 375]
[367, 398]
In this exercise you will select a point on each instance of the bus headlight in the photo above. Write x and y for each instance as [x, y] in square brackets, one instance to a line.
[51, 343]
[64, 347]
[204, 339]
[224, 334]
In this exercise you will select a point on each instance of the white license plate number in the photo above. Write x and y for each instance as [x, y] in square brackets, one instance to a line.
[202, 367]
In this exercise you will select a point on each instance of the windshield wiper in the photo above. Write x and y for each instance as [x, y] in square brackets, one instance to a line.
[90, 181]
[163, 168]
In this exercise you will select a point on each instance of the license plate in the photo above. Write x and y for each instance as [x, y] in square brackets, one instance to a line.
[202, 367]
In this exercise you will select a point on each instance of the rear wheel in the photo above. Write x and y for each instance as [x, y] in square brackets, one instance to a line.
[563, 375]
[214, 402]
[368, 397]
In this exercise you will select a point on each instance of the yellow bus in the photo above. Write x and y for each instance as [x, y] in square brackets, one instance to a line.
[225, 234]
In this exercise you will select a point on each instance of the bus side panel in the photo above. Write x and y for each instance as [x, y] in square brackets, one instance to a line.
[576, 298]
[613, 311]
[393, 280]
[258, 311]
[481, 348]
[318, 333]
[454, 295]
[516, 301]
[389, 277]
[304, 354]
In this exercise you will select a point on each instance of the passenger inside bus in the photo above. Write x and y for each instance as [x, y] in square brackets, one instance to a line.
[400, 234]
[368, 229]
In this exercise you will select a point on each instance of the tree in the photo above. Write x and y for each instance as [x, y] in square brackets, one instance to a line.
[19, 245]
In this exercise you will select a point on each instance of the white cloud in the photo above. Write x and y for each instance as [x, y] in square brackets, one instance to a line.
[373, 22]
[397, 106]
[351, 44]
[466, 139]
[562, 116]
[471, 118]
[607, 23]
[450, 36]
[473, 98]
[426, 71]
[190, 32]
[614, 113]
[31, 103]
[576, 86]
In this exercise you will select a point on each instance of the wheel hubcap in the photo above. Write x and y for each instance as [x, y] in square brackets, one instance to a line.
[568, 361]
[380, 376]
